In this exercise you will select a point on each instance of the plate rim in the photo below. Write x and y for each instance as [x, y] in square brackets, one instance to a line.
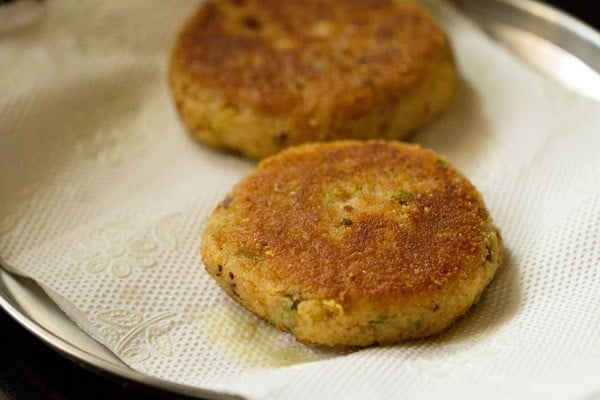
[88, 360]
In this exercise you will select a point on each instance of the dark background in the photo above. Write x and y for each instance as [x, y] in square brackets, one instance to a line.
[586, 10]
[31, 370]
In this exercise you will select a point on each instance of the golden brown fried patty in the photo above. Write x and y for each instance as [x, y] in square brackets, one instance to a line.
[256, 76]
[353, 243]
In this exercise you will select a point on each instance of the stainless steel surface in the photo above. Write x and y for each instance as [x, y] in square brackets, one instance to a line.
[29, 305]
[559, 46]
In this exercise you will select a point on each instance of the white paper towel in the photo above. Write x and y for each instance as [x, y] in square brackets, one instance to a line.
[103, 196]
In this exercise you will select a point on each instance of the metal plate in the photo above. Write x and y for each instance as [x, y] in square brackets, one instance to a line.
[29, 305]
[554, 43]
[559, 46]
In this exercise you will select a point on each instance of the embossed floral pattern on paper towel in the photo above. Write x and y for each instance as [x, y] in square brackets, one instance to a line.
[118, 128]
[124, 245]
[133, 337]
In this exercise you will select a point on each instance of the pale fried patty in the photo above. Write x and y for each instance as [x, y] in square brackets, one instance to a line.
[256, 76]
[353, 243]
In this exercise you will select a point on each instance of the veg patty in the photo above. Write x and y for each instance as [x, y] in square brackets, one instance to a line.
[257, 76]
[353, 243]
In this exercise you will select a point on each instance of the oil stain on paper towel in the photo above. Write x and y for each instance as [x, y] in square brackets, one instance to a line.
[245, 339]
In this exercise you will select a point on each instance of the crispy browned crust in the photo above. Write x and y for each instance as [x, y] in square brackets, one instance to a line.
[353, 243]
[302, 57]
[355, 222]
